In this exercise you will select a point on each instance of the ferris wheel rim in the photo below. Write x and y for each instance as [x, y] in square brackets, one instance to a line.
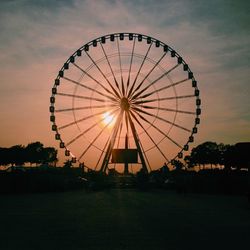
[134, 36]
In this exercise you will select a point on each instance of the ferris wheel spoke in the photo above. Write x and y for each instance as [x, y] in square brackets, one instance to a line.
[89, 88]
[130, 66]
[126, 122]
[165, 120]
[120, 63]
[81, 134]
[164, 88]
[112, 141]
[145, 156]
[105, 77]
[137, 142]
[79, 120]
[174, 124]
[142, 111]
[87, 130]
[119, 136]
[115, 80]
[168, 137]
[150, 137]
[83, 97]
[164, 109]
[163, 99]
[94, 140]
[148, 74]
[104, 148]
[86, 107]
[143, 61]
[155, 81]
[98, 82]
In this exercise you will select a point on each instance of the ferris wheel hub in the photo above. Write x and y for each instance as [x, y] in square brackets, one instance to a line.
[124, 104]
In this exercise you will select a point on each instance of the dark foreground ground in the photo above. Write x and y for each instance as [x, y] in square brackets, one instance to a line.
[123, 219]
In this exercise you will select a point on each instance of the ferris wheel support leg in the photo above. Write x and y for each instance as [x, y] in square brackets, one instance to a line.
[106, 159]
[126, 172]
[111, 144]
[144, 166]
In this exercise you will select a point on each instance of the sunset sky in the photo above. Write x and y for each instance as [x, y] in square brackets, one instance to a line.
[37, 37]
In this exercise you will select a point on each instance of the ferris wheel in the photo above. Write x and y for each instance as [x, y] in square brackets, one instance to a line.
[125, 101]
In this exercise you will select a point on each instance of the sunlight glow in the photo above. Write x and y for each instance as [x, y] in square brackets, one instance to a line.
[108, 119]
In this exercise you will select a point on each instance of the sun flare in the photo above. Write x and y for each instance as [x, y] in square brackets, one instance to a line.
[108, 119]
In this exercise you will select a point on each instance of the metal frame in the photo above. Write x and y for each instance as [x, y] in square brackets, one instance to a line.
[127, 97]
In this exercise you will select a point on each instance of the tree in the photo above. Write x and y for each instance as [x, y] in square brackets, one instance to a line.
[177, 164]
[14, 155]
[207, 153]
[189, 161]
[4, 156]
[49, 155]
[223, 149]
[34, 152]
[17, 155]
[67, 164]
[237, 156]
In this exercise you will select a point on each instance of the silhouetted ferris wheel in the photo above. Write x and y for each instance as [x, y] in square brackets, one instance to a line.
[125, 100]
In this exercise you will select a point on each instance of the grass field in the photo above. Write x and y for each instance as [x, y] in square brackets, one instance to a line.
[123, 219]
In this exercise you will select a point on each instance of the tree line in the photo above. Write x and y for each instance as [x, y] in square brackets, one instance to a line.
[214, 154]
[207, 153]
[33, 153]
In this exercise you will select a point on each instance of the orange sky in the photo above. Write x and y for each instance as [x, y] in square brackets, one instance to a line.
[36, 39]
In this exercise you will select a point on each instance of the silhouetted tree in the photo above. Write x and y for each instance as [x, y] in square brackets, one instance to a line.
[3, 157]
[14, 155]
[178, 165]
[237, 156]
[17, 155]
[222, 148]
[49, 155]
[207, 153]
[189, 161]
[67, 164]
[34, 152]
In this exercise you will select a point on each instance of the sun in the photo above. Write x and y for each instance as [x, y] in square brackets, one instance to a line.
[108, 119]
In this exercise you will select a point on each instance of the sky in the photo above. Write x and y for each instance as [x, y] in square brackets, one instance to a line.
[38, 36]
